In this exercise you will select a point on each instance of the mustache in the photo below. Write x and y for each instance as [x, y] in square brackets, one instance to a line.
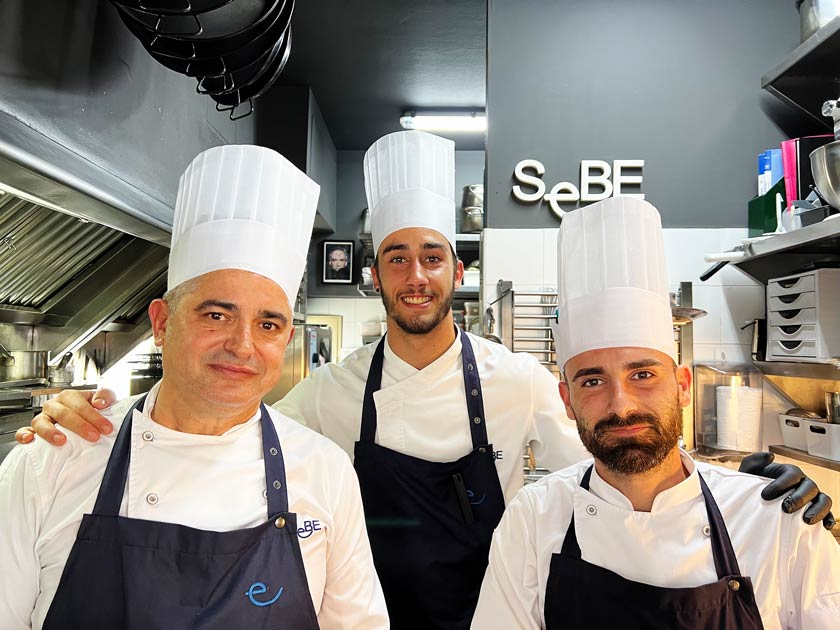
[615, 421]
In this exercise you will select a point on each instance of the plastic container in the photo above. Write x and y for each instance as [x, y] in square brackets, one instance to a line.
[794, 431]
[728, 401]
[824, 440]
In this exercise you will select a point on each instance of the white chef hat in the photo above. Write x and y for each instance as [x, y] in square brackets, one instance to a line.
[410, 182]
[242, 207]
[612, 280]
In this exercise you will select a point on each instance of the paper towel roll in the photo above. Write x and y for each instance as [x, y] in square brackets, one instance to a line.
[738, 417]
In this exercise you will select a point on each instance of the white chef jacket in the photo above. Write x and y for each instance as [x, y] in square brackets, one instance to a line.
[203, 481]
[794, 567]
[423, 413]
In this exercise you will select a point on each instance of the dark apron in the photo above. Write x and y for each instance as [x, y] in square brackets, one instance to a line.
[131, 574]
[429, 523]
[583, 595]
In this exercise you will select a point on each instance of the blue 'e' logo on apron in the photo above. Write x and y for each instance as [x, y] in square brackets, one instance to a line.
[258, 588]
[471, 497]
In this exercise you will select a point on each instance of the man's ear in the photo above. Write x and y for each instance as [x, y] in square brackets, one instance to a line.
[567, 399]
[459, 272]
[374, 278]
[159, 316]
[683, 375]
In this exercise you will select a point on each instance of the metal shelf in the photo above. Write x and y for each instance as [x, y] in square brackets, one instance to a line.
[792, 252]
[802, 456]
[808, 76]
[823, 371]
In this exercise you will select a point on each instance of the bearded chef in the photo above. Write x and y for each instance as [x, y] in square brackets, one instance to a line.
[436, 419]
[213, 511]
[643, 536]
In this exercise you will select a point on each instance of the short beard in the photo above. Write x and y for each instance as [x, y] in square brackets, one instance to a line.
[419, 325]
[636, 455]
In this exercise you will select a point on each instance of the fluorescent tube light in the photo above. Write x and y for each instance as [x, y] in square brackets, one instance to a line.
[445, 121]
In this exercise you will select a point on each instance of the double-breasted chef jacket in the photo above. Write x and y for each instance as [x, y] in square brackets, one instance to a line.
[423, 413]
[207, 482]
[794, 568]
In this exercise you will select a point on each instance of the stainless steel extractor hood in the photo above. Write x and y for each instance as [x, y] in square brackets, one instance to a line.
[75, 279]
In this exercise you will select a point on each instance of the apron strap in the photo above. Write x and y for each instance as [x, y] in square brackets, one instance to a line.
[275, 467]
[116, 472]
[472, 391]
[726, 562]
[374, 382]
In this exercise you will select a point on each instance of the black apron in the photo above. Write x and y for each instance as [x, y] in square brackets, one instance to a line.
[126, 573]
[583, 595]
[429, 523]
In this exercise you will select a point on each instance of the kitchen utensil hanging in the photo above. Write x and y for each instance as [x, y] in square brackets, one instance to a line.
[234, 60]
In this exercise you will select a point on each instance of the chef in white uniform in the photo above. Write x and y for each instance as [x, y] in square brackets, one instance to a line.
[423, 402]
[214, 511]
[646, 537]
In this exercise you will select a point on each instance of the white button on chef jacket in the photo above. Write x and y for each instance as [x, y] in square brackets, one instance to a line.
[423, 413]
[794, 567]
[203, 481]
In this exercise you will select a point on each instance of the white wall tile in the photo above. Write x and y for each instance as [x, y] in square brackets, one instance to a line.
[710, 299]
[318, 306]
[368, 309]
[740, 304]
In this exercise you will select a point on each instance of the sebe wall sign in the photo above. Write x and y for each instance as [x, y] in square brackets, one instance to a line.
[598, 180]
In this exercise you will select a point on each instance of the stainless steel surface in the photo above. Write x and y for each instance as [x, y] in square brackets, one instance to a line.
[803, 384]
[825, 167]
[27, 382]
[14, 394]
[803, 456]
[473, 196]
[294, 367]
[28, 364]
[832, 407]
[472, 219]
[791, 252]
[799, 412]
[813, 15]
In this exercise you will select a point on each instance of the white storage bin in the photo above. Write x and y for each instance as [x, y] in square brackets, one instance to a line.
[792, 301]
[786, 286]
[793, 317]
[803, 313]
[824, 440]
[794, 431]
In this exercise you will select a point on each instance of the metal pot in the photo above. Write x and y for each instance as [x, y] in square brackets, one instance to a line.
[27, 364]
[832, 407]
[813, 15]
[473, 196]
[472, 219]
[825, 167]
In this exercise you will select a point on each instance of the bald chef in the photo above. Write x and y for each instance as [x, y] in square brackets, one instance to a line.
[213, 511]
[644, 537]
[436, 419]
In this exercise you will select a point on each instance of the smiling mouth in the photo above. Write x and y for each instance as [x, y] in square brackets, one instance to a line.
[233, 370]
[417, 299]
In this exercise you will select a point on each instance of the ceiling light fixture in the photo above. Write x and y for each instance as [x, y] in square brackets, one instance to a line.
[445, 121]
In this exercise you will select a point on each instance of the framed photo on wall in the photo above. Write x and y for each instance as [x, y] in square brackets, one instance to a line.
[338, 262]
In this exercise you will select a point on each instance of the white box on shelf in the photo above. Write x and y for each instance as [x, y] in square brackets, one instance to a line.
[471, 278]
[824, 440]
[794, 431]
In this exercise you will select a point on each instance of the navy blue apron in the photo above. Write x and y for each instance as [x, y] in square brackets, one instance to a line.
[126, 573]
[583, 595]
[429, 523]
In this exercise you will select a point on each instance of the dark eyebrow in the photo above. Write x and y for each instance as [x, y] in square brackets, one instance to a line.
[275, 315]
[635, 365]
[395, 246]
[226, 306]
[433, 246]
[593, 371]
[233, 308]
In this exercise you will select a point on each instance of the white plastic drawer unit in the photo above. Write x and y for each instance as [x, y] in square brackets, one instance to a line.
[803, 313]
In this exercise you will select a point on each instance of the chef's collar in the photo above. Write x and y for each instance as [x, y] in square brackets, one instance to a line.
[686, 490]
[400, 370]
[144, 418]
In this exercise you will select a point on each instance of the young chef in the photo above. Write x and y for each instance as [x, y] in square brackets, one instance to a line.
[213, 511]
[645, 537]
[437, 420]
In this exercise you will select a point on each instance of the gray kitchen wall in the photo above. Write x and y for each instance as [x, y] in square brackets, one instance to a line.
[676, 83]
[351, 202]
[78, 82]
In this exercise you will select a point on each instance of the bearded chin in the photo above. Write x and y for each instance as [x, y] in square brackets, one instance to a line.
[419, 325]
[638, 454]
